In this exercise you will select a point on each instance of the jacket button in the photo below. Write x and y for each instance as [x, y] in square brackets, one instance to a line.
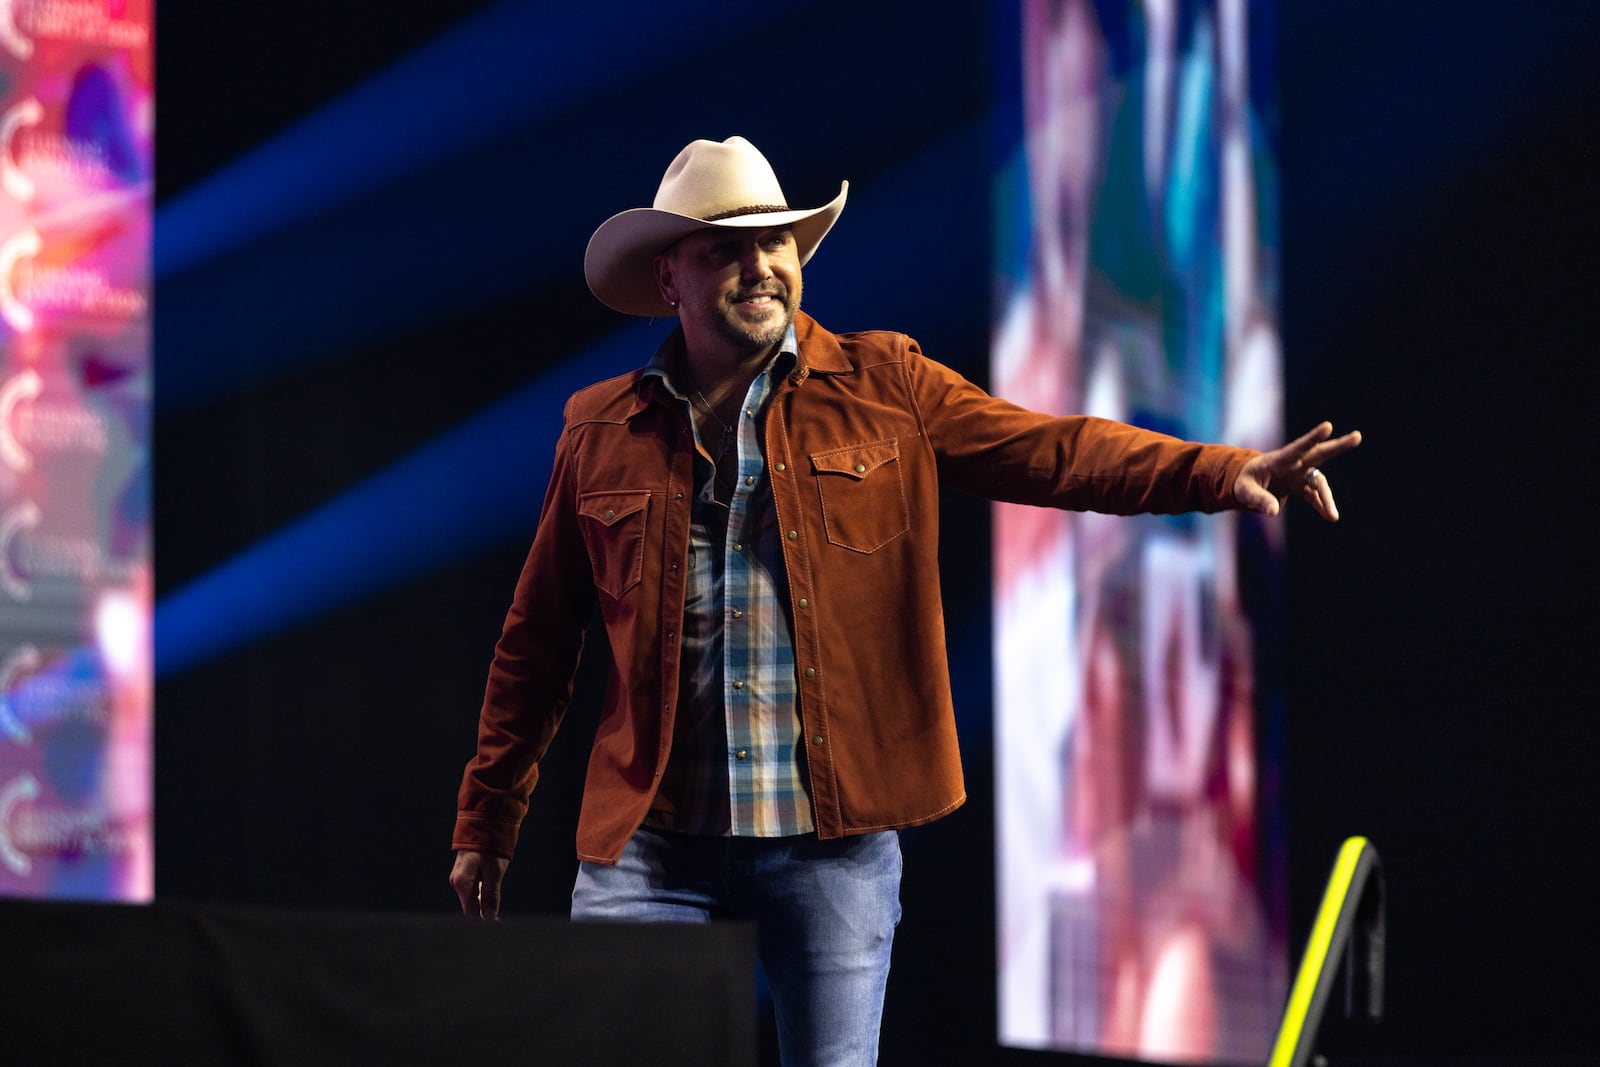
[679, 496]
[780, 467]
[861, 468]
[817, 740]
[610, 515]
[810, 671]
[804, 602]
[793, 534]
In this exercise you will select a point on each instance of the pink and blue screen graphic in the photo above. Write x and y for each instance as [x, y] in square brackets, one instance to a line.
[76, 128]
[1140, 885]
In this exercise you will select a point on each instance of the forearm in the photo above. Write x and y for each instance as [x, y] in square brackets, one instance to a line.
[1000, 450]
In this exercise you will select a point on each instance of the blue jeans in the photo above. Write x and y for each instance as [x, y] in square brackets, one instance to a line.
[825, 913]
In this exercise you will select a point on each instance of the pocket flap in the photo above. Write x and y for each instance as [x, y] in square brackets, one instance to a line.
[608, 509]
[857, 461]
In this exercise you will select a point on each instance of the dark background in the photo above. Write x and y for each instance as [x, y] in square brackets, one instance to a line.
[1439, 235]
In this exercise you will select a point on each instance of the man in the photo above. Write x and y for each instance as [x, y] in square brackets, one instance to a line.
[755, 513]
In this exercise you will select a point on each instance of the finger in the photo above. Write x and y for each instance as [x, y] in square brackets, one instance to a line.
[1255, 498]
[1327, 507]
[489, 892]
[466, 892]
[1329, 449]
[1295, 451]
[1319, 493]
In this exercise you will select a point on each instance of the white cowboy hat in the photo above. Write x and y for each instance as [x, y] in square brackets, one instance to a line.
[709, 184]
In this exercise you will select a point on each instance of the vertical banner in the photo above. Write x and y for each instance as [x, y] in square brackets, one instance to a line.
[1141, 894]
[76, 130]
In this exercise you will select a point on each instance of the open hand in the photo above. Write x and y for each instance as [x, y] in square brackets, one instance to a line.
[1295, 469]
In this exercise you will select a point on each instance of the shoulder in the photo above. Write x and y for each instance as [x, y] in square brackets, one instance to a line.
[867, 346]
[826, 351]
[609, 401]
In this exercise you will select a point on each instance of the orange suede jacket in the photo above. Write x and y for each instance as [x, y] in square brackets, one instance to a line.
[858, 437]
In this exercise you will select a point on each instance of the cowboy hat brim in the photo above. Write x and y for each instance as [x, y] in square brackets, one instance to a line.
[619, 262]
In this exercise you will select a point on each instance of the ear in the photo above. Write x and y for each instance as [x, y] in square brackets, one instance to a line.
[664, 282]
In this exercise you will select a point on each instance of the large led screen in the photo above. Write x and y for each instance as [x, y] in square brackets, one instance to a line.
[1141, 903]
[76, 125]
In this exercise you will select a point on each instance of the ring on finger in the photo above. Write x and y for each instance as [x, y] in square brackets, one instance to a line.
[1311, 476]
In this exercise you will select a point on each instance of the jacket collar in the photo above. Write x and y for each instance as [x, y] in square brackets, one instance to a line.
[819, 350]
[653, 382]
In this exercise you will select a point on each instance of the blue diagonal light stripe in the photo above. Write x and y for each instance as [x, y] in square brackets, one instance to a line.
[507, 66]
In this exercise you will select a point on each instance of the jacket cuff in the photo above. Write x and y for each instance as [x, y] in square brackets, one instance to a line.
[1222, 486]
[476, 833]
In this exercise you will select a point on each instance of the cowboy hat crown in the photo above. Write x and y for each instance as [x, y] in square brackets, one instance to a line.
[709, 184]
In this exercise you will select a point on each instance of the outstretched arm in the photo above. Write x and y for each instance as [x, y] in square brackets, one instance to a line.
[1272, 477]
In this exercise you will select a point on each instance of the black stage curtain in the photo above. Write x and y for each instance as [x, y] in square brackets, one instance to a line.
[172, 983]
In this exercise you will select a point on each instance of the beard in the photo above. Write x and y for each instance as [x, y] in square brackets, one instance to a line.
[756, 334]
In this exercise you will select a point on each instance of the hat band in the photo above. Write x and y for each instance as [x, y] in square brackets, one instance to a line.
[754, 209]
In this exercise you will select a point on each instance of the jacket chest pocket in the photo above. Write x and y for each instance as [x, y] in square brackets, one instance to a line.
[863, 495]
[613, 528]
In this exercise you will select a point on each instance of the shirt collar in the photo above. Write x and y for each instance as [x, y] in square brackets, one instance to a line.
[670, 355]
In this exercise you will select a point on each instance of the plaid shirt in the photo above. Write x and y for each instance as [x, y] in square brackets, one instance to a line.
[738, 761]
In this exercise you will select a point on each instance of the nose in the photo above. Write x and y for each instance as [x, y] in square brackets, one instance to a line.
[754, 264]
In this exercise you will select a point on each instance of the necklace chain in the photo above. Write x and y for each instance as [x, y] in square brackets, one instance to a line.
[726, 429]
[726, 441]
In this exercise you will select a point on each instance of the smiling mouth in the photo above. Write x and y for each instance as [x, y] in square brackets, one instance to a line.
[762, 299]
